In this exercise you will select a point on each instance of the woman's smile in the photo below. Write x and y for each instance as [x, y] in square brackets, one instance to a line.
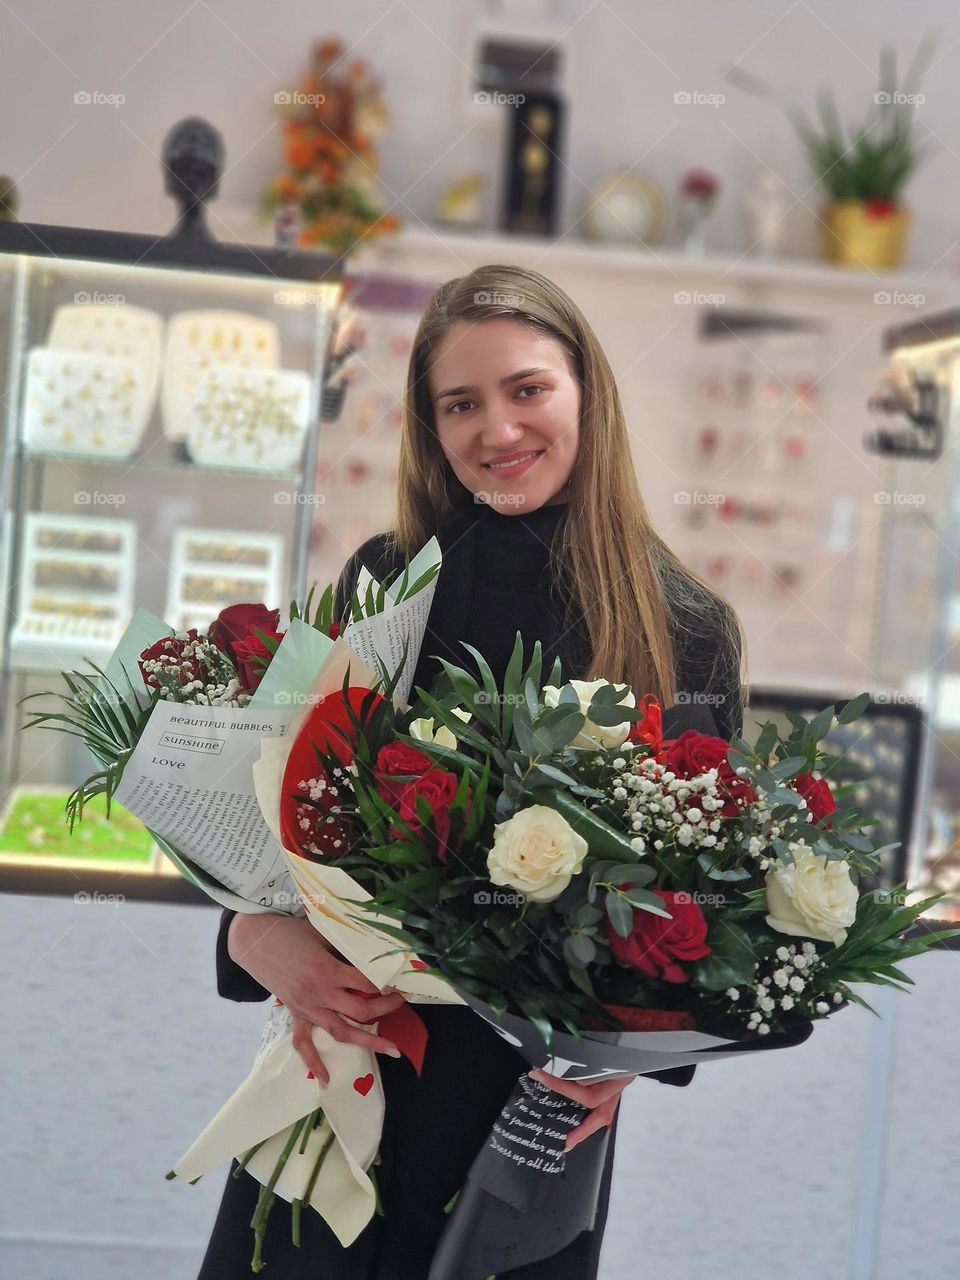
[515, 464]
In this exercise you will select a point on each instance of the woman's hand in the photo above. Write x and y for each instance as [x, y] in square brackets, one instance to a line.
[602, 1098]
[289, 957]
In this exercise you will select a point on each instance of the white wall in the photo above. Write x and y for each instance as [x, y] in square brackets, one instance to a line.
[99, 165]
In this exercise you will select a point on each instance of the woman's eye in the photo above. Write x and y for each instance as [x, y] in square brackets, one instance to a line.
[452, 407]
[529, 387]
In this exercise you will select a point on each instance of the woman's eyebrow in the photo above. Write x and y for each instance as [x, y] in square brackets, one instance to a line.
[511, 377]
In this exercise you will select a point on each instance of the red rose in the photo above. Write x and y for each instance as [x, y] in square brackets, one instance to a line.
[397, 759]
[248, 653]
[438, 788]
[650, 728]
[237, 622]
[334, 631]
[817, 793]
[694, 753]
[656, 943]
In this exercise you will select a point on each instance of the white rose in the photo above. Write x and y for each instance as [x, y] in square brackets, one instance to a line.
[422, 730]
[593, 736]
[536, 851]
[812, 899]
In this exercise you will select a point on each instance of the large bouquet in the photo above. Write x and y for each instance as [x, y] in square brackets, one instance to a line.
[613, 901]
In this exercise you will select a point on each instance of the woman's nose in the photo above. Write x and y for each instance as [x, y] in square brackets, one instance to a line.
[500, 431]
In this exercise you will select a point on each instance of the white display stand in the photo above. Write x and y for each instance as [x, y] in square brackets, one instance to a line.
[75, 595]
[213, 568]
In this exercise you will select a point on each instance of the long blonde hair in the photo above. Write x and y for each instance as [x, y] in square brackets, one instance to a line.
[634, 592]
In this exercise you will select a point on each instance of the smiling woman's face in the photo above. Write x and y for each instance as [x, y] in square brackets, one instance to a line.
[507, 412]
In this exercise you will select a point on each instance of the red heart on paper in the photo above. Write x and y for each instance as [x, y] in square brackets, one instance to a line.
[418, 964]
[363, 1084]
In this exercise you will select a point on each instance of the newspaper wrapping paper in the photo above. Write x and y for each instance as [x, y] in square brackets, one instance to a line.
[176, 766]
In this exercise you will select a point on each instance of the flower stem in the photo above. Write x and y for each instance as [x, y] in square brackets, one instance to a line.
[316, 1168]
[266, 1197]
[311, 1124]
[248, 1156]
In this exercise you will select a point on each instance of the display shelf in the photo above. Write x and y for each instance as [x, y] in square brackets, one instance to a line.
[288, 475]
[568, 251]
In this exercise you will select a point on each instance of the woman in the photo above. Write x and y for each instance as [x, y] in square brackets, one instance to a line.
[515, 453]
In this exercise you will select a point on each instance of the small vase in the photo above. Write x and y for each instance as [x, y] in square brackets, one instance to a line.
[854, 235]
[693, 225]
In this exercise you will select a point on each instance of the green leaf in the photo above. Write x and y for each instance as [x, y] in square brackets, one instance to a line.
[853, 709]
[788, 768]
[620, 914]
[579, 950]
[730, 962]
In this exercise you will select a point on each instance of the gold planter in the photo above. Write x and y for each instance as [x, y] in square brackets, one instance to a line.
[853, 235]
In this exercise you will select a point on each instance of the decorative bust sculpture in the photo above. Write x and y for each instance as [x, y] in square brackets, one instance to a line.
[193, 156]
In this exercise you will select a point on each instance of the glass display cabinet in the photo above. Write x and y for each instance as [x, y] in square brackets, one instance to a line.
[162, 407]
[917, 629]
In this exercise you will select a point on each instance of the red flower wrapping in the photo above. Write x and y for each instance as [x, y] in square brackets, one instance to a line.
[328, 728]
[694, 753]
[170, 653]
[817, 793]
[657, 944]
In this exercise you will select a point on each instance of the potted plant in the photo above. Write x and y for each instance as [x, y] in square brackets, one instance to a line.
[865, 222]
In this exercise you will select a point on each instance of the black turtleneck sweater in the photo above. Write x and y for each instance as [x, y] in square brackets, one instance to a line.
[494, 581]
